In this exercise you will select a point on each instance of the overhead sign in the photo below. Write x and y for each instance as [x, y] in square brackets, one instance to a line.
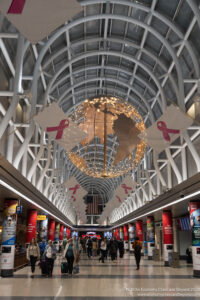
[41, 218]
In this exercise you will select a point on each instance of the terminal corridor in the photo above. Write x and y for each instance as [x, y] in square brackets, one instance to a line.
[119, 280]
[99, 149]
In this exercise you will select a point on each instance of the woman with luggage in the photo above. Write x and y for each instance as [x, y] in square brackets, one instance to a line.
[33, 253]
[50, 256]
[70, 255]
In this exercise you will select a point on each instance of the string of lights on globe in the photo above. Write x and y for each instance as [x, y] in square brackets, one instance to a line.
[100, 119]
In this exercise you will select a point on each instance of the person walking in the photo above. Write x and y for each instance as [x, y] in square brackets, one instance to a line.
[33, 253]
[121, 248]
[50, 257]
[42, 246]
[70, 254]
[94, 248]
[113, 250]
[103, 250]
[89, 247]
[137, 251]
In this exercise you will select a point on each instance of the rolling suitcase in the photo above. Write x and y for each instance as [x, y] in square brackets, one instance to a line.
[44, 267]
[64, 267]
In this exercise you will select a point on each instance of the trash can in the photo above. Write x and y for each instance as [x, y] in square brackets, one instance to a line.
[156, 256]
[174, 259]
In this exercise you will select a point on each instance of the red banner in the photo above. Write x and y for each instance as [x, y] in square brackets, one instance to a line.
[51, 230]
[61, 232]
[68, 233]
[167, 228]
[139, 229]
[31, 225]
[125, 233]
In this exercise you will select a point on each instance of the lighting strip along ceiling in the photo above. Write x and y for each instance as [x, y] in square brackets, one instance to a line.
[157, 209]
[32, 202]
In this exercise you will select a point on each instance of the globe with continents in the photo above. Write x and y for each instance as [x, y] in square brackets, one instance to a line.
[112, 146]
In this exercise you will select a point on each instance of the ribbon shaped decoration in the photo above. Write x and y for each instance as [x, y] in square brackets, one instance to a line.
[60, 128]
[16, 7]
[165, 131]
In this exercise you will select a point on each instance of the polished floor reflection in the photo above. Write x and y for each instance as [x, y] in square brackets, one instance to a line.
[119, 280]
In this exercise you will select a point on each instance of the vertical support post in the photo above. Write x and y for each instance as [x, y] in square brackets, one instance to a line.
[10, 144]
[31, 225]
[17, 85]
[150, 236]
[51, 230]
[167, 235]
[8, 237]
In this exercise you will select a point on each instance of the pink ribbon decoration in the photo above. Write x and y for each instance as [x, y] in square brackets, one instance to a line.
[74, 189]
[126, 188]
[60, 128]
[165, 131]
[118, 198]
[74, 199]
[16, 7]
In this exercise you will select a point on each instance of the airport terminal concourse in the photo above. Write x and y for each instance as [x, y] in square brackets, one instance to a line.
[99, 149]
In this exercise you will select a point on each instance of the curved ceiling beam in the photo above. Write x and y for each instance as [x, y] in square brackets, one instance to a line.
[132, 44]
[114, 90]
[109, 16]
[61, 98]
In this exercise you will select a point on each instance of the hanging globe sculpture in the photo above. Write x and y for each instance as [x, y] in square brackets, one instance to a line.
[112, 147]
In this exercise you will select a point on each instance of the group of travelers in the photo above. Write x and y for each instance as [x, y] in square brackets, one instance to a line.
[46, 253]
[71, 250]
[110, 248]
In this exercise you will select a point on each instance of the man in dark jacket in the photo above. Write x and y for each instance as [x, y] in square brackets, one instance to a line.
[121, 248]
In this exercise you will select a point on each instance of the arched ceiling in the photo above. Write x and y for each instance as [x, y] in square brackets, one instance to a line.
[144, 51]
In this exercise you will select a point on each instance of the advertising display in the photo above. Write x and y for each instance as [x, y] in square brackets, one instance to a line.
[31, 225]
[108, 235]
[57, 232]
[131, 232]
[195, 227]
[43, 229]
[51, 230]
[139, 230]
[61, 232]
[126, 244]
[65, 233]
[121, 233]
[8, 237]
[150, 236]
[167, 235]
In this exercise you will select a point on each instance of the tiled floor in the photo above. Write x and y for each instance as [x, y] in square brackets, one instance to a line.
[119, 281]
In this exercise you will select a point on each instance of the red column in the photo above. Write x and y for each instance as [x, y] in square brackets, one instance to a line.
[125, 233]
[117, 234]
[68, 233]
[139, 230]
[61, 232]
[51, 230]
[167, 235]
[31, 225]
